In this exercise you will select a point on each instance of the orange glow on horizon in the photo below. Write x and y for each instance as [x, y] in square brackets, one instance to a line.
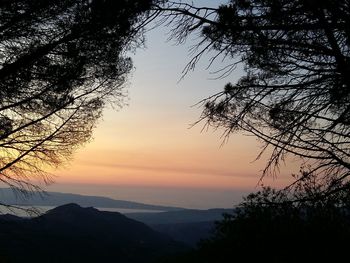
[191, 165]
[149, 143]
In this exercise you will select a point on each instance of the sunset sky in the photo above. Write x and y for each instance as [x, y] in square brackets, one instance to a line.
[147, 151]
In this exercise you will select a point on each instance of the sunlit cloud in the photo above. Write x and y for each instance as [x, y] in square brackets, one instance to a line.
[180, 170]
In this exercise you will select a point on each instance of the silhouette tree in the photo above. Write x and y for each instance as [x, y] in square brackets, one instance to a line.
[60, 63]
[269, 226]
[294, 94]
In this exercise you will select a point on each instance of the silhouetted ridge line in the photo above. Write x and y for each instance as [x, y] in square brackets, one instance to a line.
[71, 233]
[58, 199]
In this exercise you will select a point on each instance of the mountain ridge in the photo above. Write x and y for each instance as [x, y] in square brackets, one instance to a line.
[71, 233]
[180, 216]
[7, 196]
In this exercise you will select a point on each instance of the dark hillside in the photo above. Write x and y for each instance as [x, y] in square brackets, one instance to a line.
[71, 233]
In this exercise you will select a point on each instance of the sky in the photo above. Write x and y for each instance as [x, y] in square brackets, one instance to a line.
[147, 150]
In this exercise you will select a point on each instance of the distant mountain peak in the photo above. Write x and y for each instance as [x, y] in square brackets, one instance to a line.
[59, 199]
[83, 235]
[68, 206]
[71, 210]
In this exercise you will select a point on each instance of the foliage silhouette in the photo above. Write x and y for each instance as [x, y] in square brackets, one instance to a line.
[294, 94]
[60, 63]
[270, 226]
